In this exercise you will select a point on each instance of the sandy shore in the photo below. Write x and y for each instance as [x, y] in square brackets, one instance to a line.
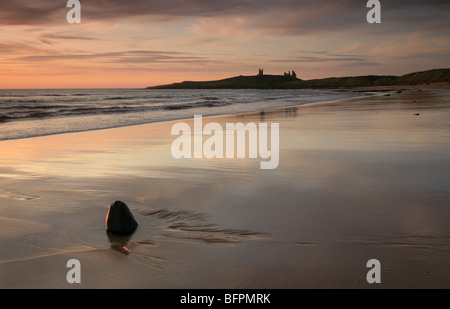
[359, 179]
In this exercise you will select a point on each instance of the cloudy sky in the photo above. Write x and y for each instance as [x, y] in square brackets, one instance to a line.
[138, 43]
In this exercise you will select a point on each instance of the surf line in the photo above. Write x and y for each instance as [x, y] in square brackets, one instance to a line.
[234, 138]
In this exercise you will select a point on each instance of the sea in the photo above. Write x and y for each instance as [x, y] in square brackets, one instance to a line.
[30, 113]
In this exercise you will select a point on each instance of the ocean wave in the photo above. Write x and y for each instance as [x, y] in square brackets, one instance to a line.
[90, 109]
[120, 98]
[26, 107]
[4, 118]
[211, 98]
[39, 102]
[178, 106]
[161, 97]
[196, 104]
[39, 114]
[26, 101]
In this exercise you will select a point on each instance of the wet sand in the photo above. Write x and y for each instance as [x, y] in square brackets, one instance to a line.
[358, 179]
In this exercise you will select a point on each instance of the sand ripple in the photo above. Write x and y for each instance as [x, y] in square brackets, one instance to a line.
[189, 225]
[431, 242]
[18, 196]
[180, 225]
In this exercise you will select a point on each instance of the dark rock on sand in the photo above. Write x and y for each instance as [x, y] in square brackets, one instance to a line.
[120, 220]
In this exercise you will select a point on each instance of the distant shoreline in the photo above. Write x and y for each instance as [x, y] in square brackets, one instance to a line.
[437, 78]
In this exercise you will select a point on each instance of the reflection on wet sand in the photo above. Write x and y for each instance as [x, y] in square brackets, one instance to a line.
[119, 242]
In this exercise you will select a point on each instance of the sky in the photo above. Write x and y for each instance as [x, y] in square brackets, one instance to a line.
[139, 43]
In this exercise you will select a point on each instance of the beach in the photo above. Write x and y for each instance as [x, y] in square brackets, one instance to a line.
[358, 179]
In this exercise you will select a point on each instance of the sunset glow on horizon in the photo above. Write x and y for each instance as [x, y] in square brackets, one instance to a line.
[135, 44]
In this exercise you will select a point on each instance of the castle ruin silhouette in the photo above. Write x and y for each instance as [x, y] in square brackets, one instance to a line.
[288, 74]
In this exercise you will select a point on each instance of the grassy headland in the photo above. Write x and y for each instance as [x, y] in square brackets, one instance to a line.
[289, 82]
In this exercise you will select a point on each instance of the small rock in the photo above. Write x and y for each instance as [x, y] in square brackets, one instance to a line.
[120, 220]
[417, 114]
